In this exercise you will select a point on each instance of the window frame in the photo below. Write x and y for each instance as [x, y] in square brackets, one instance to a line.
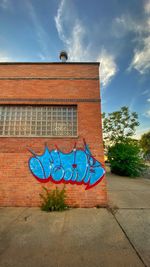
[41, 136]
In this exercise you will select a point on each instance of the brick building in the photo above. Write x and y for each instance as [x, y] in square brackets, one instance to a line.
[29, 93]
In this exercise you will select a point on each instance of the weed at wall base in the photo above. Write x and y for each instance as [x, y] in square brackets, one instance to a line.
[53, 200]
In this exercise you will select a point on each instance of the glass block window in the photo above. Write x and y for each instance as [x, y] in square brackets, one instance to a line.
[34, 121]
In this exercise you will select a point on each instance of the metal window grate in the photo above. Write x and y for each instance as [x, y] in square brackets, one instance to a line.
[34, 121]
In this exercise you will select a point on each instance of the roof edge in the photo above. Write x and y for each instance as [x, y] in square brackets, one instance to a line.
[49, 63]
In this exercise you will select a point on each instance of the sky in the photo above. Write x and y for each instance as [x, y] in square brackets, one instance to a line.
[115, 33]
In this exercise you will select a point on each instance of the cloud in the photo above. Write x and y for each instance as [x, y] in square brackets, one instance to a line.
[108, 67]
[148, 99]
[5, 58]
[140, 29]
[141, 58]
[145, 92]
[43, 57]
[76, 49]
[74, 36]
[59, 21]
[72, 33]
[147, 113]
[42, 36]
[4, 4]
[125, 24]
[147, 6]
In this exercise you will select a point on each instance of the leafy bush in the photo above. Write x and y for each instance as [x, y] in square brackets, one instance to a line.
[53, 200]
[145, 144]
[125, 159]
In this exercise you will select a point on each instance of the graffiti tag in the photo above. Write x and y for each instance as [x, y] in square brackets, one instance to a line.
[77, 167]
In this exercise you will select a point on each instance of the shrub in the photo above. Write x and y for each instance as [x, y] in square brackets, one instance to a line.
[53, 200]
[125, 159]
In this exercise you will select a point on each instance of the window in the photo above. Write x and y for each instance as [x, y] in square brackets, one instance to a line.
[32, 121]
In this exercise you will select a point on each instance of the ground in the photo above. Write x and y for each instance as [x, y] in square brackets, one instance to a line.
[118, 236]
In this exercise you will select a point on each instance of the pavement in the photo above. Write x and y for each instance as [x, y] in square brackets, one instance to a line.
[129, 201]
[118, 236]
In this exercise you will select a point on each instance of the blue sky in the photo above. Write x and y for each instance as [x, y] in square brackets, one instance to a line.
[116, 33]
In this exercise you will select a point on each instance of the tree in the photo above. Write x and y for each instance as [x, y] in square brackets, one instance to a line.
[145, 143]
[125, 159]
[119, 126]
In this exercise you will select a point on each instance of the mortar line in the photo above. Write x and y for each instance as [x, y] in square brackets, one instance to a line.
[125, 190]
[132, 245]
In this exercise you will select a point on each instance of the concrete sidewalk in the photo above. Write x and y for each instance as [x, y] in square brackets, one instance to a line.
[81, 237]
[130, 203]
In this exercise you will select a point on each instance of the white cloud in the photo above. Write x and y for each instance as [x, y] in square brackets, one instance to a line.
[148, 99]
[147, 113]
[43, 57]
[147, 6]
[76, 49]
[145, 92]
[141, 29]
[59, 21]
[141, 58]
[124, 24]
[5, 58]
[108, 67]
[4, 4]
[42, 36]
[72, 33]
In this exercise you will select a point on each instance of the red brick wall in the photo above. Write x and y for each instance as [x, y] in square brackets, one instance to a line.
[78, 82]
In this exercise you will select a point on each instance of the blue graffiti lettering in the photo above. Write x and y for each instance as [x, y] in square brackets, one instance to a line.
[76, 167]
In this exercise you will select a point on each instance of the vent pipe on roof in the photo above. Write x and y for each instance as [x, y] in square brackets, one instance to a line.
[63, 56]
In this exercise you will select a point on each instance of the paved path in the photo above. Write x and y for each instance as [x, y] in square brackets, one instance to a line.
[128, 193]
[130, 202]
[80, 237]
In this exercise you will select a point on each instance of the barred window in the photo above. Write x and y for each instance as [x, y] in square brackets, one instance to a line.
[34, 121]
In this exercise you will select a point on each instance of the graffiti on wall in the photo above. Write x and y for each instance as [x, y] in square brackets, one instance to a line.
[76, 167]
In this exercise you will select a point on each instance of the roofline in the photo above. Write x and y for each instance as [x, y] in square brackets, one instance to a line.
[49, 63]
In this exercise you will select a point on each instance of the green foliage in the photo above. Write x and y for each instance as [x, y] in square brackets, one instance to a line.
[119, 126]
[125, 159]
[145, 143]
[53, 200]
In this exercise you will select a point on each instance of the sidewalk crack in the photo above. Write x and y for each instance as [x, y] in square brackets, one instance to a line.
[113, 212]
